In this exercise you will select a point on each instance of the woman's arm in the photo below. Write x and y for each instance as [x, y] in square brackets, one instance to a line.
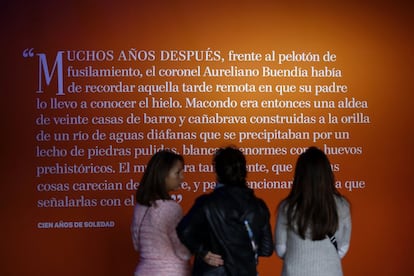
[191, 228]
[343, 235]
[281, 232]
[135, 225]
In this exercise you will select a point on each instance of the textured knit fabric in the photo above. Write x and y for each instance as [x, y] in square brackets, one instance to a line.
[154, 236]
[312, 258]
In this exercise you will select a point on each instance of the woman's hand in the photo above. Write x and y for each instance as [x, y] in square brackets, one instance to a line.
[213, 259]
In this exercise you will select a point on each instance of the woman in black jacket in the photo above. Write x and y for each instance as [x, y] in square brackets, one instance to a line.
[230, 222]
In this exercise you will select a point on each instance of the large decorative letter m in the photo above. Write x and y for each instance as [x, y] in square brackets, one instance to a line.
[44, 70]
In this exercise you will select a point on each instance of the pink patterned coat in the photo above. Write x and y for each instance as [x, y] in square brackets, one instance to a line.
[154, 237]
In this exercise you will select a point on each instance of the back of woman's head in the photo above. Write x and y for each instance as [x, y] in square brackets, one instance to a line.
[230, 166]
[313, 174]
[152, 185]
[311, 202]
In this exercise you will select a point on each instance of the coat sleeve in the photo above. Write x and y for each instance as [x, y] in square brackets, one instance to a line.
[191, 229]
[135, 226]
[266, 242]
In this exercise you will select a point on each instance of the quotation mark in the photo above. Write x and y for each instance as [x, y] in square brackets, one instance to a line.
[178, 198]
[28, 52]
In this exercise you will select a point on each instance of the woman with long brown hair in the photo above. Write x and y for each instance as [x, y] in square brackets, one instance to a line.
[313, 226]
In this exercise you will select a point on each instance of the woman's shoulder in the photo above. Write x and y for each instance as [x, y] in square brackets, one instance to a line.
[343, 205]
[282, 205]
[167, 206]
[166, 212]
[341, 201]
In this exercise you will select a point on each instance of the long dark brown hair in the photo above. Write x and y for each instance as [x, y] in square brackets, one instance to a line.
[311, 202]
[152, 186]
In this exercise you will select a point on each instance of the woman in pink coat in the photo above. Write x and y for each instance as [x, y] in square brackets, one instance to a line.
[156, 216]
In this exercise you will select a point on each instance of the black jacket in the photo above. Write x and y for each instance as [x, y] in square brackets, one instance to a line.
[216, 223]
